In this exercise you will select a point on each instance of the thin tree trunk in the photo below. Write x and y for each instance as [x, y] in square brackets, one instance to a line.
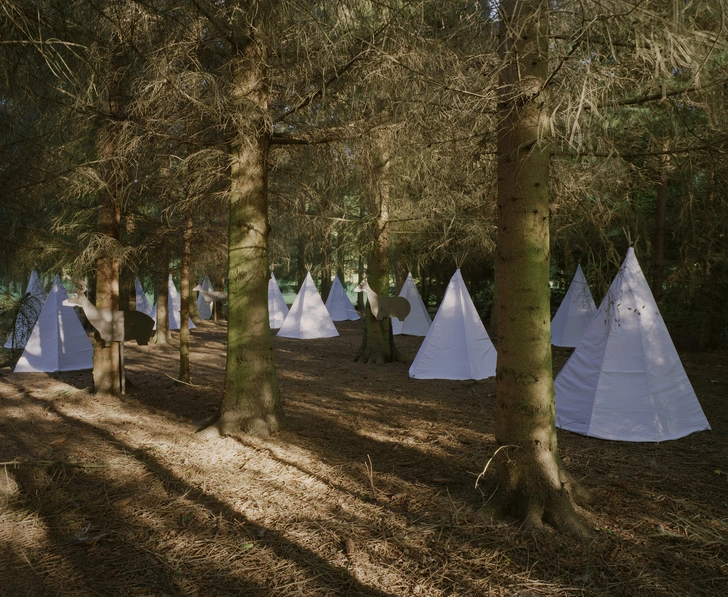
[251, 402]
[184, 291]
[658, 243]
[106, 364]
[163, 336]
[532, 483]
[106, 361]
[378, 342]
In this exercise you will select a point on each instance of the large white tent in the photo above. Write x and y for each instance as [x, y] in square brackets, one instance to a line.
[308, 317]
[204, 309]
[277, 308]
[418, 322]
[338, 304]
[174, 304]
[142, 303]
[574, 313]
[35, 296]
[58, 341]
[457, 345]
[625, 380]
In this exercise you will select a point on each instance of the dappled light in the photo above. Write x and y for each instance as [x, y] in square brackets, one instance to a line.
[369, 491]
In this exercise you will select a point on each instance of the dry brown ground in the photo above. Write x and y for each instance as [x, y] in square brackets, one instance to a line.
[370, 490]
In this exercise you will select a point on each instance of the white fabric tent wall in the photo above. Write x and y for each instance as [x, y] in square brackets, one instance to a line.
[204, 309]
[457, 345]
[142, 303]
[574, 313]
[625, 380]
[418, 322]
[28, 315]
[174, 304]
[338, 304]
[58, 341]
[277, 308]
[308, 317]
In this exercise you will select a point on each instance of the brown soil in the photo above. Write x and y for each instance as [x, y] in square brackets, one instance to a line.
[370, 491]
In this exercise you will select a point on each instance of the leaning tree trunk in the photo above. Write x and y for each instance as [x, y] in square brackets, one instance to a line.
[378, 341]
[251, 402]
[184, 291]
[532, 483]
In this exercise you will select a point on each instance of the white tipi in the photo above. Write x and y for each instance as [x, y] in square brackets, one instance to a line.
[574, 313]
[142, 303]
[457, 345]
[35, 296]
[338, 304]
[204, 309]
[308, 317]
[625, 380]
[277, 308]
[417, 323]
[174, 304]
[58, 341]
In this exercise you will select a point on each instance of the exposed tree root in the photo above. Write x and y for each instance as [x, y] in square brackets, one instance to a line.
[535, 507]
[235, 424]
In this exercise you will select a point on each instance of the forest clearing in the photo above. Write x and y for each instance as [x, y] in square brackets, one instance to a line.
[370, 490]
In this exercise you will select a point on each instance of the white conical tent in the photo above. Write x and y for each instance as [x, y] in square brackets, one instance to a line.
[574, 313]
[338, 304]
[174, 304]
[457, 345]
[204, 309]
[142, 303]
[417, 323]
[277, 308]
[625, 380]
[35, 296]
[308, 317]
[58, 341]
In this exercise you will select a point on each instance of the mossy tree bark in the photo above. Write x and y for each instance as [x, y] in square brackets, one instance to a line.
[251, 402]
[532, 482]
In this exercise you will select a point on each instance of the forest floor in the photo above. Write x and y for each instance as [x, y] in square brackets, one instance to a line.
[370, 491]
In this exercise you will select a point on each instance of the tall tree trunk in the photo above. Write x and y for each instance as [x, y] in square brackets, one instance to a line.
[658, 242]
[378, 342]
[251, 402]
[532, 483]
[106, 363]
[106, 360]
[184, 291]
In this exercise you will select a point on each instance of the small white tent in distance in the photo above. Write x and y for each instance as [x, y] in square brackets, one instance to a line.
[204, 309]
[35, 296]
[625, 380]
[418, 322]
[574, 313]
[142, 303]
[58, 341]
[174, 304]
[277, 308]
[338, 304]
[308, 317]
[457, 345]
